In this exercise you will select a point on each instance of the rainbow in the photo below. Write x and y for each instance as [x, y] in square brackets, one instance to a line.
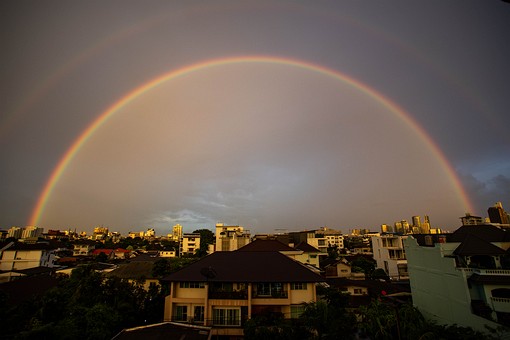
[200, 66]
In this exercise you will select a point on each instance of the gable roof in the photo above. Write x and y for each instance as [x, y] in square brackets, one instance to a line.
[485, 232]
[133, 270]
[474, 245]
[266, 245]
[307, 248]
[246, 266]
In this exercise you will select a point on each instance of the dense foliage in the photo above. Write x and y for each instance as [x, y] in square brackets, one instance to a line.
[84, 306]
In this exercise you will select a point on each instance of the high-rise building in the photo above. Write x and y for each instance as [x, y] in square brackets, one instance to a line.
[176, 233]
[497, 214]
[15, 232]
[32, 232]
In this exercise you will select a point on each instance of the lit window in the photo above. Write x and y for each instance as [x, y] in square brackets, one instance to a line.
[298, 286]
[226, 317]
[191, 285]
[181, 313]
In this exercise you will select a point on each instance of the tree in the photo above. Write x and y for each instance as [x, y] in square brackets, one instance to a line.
[161, 268]
[365, 265]
[206, 238]
[328, 318]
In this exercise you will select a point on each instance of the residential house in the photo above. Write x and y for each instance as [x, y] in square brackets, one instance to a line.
[83, 247]
[224, 289]
[342, 269]
[462, 278]
[136, 271]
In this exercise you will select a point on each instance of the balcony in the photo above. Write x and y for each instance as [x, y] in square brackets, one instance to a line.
[500, 304]
[282, 294]
[226, 295]
[491, 271]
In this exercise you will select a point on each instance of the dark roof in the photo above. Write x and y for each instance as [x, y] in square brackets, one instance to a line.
[30, 246]
[474, 245]
[145, 258]
[307, 248]
[486, 232]
[133, 270]
[266, 245]
[245, 266]
[490, 279]
[166, 330]
[36, 271]
[373, 286]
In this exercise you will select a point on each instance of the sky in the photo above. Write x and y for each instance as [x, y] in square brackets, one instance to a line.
[272, 115]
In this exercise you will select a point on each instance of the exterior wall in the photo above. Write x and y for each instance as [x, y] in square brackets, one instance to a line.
[24, 259]
[244, 307]
[308, 258]
[439, 289]
[229, 238]
[190, 243]
[389, 253]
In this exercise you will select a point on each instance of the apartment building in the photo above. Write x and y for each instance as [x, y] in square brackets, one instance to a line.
[389, 253]
[189, 244]
[229, 238]
[462, 278]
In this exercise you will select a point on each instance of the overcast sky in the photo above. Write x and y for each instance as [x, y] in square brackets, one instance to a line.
[266, 145]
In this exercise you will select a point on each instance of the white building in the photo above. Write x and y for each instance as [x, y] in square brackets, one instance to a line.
[388, 252]
[15, 232]
[229, 238]
[176, 234]
[17, 256]
[190, 243]
[462, 278]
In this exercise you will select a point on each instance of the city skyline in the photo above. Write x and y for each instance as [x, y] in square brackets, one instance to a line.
[261, 114]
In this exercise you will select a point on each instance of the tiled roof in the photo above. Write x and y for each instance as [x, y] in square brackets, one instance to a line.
[266, 245]
[35, 271]
[133, 270]
[474, 245]
[245, 266]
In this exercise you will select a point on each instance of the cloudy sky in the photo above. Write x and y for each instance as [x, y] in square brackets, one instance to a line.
[265, 114]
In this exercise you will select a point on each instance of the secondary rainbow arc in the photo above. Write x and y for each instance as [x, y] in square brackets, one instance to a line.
[110, 112]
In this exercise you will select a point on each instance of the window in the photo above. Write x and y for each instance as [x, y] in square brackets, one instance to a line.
[226, 317]
[298, 286]
[198, 314]
[181, 313]
[296, 311]
[357, 291]
[191, 285]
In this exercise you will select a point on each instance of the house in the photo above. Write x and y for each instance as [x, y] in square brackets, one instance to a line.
[137, 271]
[224, 289]
[342, 269]
[462, 278]
[16, 256]
[83, 247]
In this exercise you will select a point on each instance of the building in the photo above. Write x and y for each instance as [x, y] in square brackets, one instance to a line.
[83, 247]
[389, 253]
[229, 238]
[17, 256]
[225, 289]
[462, 278]
[471, 220]
[189, 244]
[15, 232]
[497, 214]
[315, 238]
[32, 232]
[176, 234]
